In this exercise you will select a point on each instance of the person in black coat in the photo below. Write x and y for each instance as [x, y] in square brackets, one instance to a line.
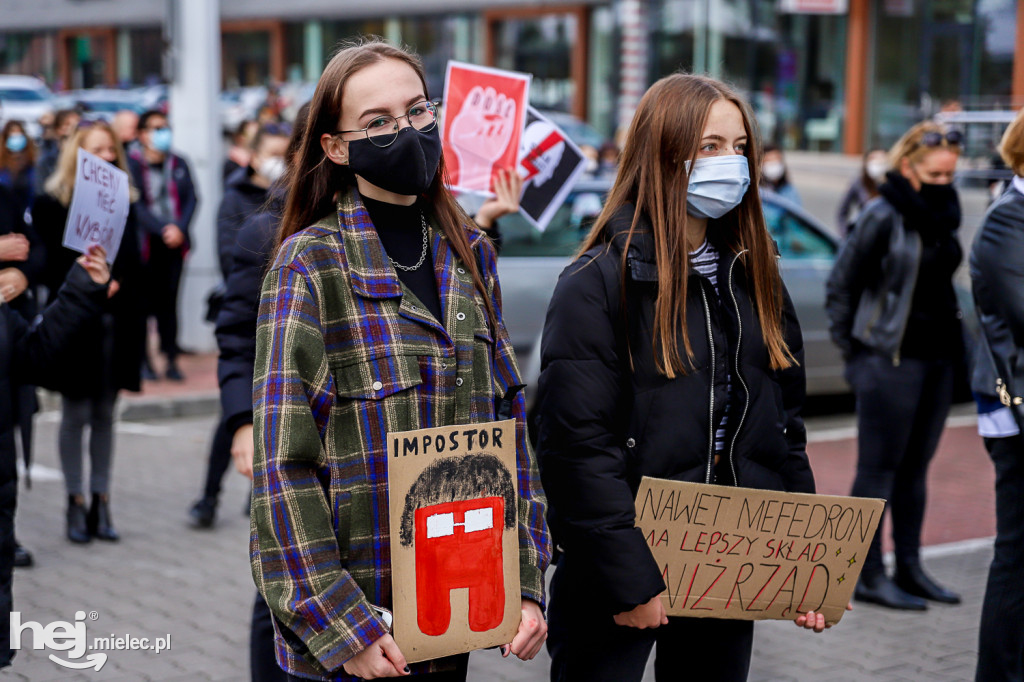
[894, 314]
[25, 352]
[997, 273]
[246, 192]
[670, 349]
[165, 212]
[115, 342]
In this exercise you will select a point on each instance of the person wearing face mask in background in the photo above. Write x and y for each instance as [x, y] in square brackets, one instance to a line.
[775, 175]
[65, 123]
[17, 163]
[246, 191]
[863, 189]
[615, 332]
[375, 260]
[894, 315]
[89, 390]
[168, 204]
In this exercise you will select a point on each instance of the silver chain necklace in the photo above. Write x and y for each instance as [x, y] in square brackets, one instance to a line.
[423, 253]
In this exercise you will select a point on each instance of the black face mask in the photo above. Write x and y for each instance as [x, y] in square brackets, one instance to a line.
[407, 166]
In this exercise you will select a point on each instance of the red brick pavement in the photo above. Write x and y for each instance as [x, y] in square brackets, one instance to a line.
[200, 372]
[961, 484]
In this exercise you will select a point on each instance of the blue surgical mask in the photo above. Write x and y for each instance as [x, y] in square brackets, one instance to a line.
[161, 140]
[717, 185]
[16, 142]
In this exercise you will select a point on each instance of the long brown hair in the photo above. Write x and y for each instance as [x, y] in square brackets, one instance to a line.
[28, 156]
[665, 133]
[313, 179]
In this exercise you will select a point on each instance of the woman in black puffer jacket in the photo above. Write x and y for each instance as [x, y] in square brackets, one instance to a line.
[671, 349]
[894, 314]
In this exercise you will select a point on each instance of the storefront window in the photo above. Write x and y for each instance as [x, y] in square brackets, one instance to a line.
[603, 72]
[28, 54]
[245, 58]
[541, 46]
[437, 40]
[146, 55]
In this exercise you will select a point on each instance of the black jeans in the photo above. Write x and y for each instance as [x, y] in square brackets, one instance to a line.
[163, 279]
[8, 502]
[587, 646]
[457, 675]
[901, 411]
[219, 460]
[1001, 638]
[263, 665]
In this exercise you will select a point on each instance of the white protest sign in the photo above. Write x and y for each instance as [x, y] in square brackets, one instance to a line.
[99, 206]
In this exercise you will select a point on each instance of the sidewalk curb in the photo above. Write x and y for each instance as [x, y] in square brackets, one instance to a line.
[170, 407]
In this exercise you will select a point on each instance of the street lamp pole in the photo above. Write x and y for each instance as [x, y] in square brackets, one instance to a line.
[194, 27]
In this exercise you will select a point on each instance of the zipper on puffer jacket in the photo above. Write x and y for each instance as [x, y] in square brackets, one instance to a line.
[711, 393]
[746, 391]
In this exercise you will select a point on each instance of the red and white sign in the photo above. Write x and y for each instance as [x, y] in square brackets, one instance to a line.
[484, 115]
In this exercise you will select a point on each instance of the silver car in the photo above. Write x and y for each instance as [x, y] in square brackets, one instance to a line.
[531, 261]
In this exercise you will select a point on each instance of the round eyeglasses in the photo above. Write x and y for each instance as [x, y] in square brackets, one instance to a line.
[383, 130]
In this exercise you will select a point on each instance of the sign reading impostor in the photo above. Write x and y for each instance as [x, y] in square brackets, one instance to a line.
[746, 554]
[99, 206]
[550, 164]
[454, 538]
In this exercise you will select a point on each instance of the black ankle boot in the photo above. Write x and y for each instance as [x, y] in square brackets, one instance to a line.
[203, 512]
[78, 530]
[881, 590]
[99, 523]
[913, 580]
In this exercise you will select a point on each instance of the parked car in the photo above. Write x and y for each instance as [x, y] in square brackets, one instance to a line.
[240, 104]
[531, 261]
[100, 104]
[580, 132]
[24, 98]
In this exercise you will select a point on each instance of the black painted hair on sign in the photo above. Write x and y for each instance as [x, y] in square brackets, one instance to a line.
[453, 479]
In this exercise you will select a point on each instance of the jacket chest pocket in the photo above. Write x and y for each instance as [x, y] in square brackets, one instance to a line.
[378, 378]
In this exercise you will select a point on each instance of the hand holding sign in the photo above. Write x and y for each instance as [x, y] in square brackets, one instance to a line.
[99, 206]
[95, 263]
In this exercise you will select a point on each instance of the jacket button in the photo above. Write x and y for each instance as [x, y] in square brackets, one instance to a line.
[377, 385]
[461, 271]
[458, 382]
[444, 365]
[460, 316]
[630, 443]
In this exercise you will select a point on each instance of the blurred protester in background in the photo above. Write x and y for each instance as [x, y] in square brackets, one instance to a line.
[241, 147]
[775, 175]
[25, 352]
[863, 189]
[895, 317]
[248, 259]
[165, 212]
[126, 126]
[21, 263]
[246, 192]
[997, 272]
[592, 157]
[65, 122]
[17, 163]
[608, 160]
[114, 342]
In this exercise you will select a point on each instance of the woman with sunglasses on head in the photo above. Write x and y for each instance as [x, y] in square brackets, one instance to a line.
[894, 314]
[380, 313]
[671, 349]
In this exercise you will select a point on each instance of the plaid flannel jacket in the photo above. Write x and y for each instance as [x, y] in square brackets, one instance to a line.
[346, 354]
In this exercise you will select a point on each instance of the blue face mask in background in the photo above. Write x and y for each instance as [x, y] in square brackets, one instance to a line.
[161, 140]
[717, 185]
[16, 142]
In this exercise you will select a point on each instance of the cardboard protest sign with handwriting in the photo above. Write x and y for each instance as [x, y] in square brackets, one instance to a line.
[484, 114]
[550, 164]
[99, 206]
[755, 554]
[454, 538]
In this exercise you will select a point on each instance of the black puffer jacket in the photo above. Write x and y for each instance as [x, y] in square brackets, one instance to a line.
[241, 200]
[997, 274]
[602, 426]
[236, 321]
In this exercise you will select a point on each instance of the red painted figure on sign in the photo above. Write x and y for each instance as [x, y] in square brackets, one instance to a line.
[458, 545]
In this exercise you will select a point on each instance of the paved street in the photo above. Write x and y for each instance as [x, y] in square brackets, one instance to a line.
[165, 579]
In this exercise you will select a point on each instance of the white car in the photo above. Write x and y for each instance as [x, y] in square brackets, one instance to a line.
[24, 98]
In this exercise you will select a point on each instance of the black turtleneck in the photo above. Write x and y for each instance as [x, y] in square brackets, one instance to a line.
[401, 232]
[933, 330]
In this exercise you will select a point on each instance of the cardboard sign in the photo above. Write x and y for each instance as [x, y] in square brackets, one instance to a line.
[550, 164]
[747, 554]
[454, 538]
[484, 114]
[99, 206]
